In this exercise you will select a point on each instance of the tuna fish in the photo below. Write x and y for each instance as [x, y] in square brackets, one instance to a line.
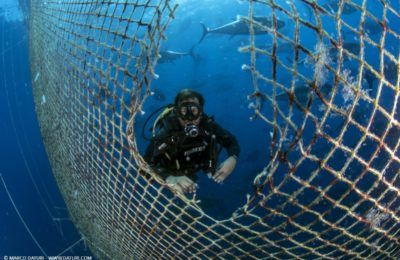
[241, 27]
[286, 47]
[352, 47]
[333, 7]
[170, 56]
[391, 71]
[302, 92]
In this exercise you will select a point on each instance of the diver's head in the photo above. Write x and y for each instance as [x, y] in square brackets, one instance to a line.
[189, 108]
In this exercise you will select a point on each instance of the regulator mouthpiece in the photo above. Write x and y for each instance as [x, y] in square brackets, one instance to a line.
[191, 130]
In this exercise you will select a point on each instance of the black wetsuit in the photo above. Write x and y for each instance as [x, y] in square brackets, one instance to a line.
[171, 152]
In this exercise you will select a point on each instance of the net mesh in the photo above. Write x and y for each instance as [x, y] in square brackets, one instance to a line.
[331, 187]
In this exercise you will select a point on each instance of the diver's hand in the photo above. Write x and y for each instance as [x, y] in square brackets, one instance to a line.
[181, 184]
[225, 169]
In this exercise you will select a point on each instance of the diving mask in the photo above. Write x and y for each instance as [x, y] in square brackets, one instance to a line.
[189, 111]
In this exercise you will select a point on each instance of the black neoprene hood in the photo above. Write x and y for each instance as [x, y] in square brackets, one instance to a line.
[186, 93]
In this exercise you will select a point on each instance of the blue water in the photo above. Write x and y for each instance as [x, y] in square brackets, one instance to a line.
[216, 74]
[24, 164]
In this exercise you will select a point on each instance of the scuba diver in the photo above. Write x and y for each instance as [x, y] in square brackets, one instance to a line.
[188, 141]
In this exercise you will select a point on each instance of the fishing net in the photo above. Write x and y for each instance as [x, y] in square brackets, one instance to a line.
[331, 186]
